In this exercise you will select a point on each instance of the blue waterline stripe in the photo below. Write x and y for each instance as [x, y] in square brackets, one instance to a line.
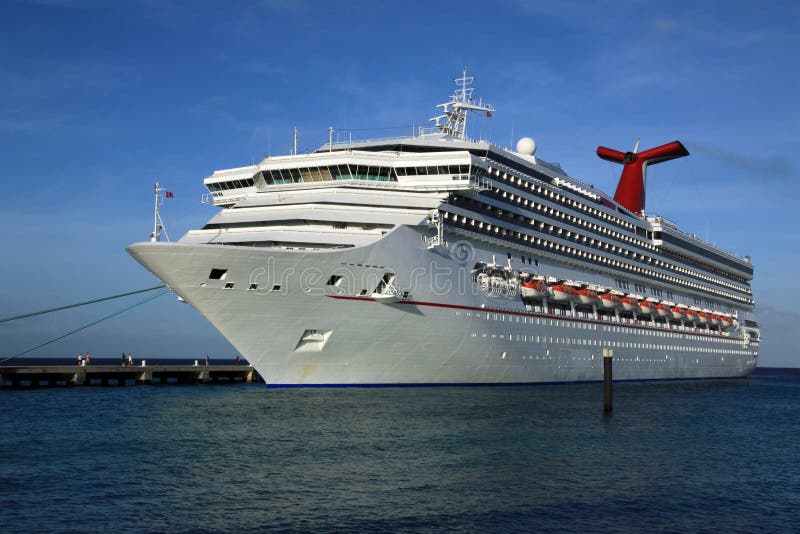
[502, 384]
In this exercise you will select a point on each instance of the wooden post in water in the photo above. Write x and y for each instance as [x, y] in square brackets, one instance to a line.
[608, 393]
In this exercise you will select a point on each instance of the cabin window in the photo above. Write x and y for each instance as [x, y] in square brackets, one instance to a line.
[334, 280]
[276, 287]
[229, 285]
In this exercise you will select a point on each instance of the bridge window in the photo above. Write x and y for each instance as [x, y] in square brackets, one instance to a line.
[328, 173]
[230, 184]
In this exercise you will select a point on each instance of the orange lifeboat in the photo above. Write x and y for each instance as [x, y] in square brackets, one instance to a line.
[714, 319]
[703, 316]
[726, 321]
[691, 314]
[662, 309]
[534, 288]
[678, 312]
[610, 300]
[563, 292]
[646, 307]
[629, 303]
[587, 295]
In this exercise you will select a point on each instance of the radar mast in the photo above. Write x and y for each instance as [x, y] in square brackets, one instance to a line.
[453, 120]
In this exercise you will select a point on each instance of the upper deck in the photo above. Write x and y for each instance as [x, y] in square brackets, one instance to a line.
[376, 184]
[439, 164]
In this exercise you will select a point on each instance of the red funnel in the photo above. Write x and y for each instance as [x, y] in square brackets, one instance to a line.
[631, 190]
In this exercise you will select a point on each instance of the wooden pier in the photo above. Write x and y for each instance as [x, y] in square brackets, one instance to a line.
[118, 375]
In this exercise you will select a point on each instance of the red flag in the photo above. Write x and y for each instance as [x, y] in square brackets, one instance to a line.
[169, 194]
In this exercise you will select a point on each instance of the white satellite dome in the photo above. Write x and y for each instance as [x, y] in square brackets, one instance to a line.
[526, 146]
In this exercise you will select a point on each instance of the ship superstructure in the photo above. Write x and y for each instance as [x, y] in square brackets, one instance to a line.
[436, 259]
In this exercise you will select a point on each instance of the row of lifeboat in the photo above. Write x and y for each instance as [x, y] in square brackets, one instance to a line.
[537, 287]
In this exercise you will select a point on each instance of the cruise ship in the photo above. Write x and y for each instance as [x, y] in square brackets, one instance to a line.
[437, 259]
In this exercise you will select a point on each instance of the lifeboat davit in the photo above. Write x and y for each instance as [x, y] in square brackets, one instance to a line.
[610, 300]
[535, 288]
[629, 303]
[563, 292]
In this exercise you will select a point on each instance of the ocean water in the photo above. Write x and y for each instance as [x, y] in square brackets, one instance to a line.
[674, 456]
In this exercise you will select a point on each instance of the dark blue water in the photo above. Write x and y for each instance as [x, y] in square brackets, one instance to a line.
[676, 457]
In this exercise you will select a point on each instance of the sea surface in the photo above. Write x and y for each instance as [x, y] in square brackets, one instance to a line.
[721, 456]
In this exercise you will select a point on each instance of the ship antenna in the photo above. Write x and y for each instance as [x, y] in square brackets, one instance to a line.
[156, 235]
[158, 224]
[464, 94]
[453, 120]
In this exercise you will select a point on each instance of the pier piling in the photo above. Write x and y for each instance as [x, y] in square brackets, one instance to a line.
[608, 393]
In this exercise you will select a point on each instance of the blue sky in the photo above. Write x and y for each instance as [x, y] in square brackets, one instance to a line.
[99, 98]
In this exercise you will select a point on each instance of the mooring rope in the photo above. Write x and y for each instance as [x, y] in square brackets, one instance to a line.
[42, 312]
[84, 327]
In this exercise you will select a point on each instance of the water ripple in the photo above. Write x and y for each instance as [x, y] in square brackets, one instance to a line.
[678, 457]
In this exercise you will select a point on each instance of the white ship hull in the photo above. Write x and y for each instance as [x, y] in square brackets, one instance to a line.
[297, 330]
[400, 261]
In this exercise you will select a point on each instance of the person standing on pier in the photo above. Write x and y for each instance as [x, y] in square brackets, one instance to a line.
[130, 359]
[206, 360]
[123, 359]
[80, 359]
[88, 358]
